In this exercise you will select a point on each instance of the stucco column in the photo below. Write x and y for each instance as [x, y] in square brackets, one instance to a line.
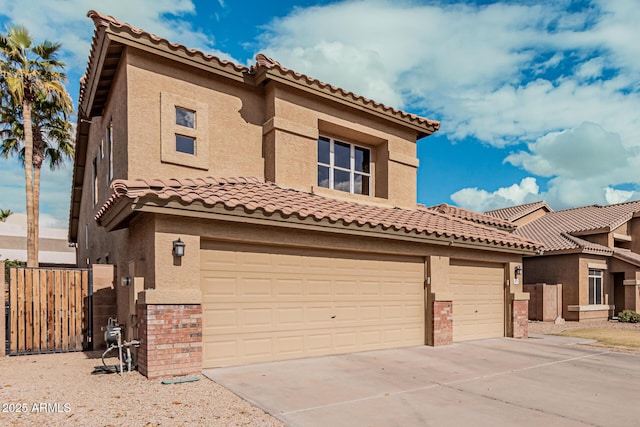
[632, 295]
[516, 303]
[439, 302]
[169, 314]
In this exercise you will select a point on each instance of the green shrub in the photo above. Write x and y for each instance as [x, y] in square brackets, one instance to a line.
[628, 316]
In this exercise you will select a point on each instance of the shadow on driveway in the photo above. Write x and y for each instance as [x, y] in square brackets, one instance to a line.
[542, 381]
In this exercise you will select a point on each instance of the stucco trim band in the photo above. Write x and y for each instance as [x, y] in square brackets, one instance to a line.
[594, 307]
[404, 159]
[597, 266]
[170, 296]
[240, 215]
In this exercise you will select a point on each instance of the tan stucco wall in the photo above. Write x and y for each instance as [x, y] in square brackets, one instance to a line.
[265, 132]
[555, 269]
[634, 232]
[303, 118]
[235, 118]
[604, 239]
[572, 271]
[180, 282]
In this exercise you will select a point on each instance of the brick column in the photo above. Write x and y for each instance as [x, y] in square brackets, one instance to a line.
[170, 339]
[520, 318]
[442, 323]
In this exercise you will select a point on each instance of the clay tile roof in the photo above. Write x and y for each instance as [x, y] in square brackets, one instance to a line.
[263, 61]
[627, 256]
[102, 21]
[473, 216]
[108, 22]
[254, 195]
[559, 230]
[513, 213]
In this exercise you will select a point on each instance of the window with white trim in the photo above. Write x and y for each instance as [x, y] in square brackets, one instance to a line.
[595, 286]
[186, 119]
[344, 166]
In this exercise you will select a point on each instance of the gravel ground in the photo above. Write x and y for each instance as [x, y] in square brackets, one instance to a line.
[552, 328]
[60, 390]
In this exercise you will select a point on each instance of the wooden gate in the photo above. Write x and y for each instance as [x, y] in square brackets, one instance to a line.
[48, 310]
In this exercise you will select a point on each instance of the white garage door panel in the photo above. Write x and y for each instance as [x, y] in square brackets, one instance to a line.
[261, 306]
[478, 305]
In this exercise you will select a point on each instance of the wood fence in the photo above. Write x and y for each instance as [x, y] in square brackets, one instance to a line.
[48, 310]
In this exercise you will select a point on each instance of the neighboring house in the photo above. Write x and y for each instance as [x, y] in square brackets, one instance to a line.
[307, 240]
[54, 249]
[593, 251]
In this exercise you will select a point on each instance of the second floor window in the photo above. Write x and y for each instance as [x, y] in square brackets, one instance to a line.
[595, 286]
[187, 119]
[343, 166]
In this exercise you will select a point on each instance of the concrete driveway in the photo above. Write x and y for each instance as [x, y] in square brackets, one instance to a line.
[542, 381]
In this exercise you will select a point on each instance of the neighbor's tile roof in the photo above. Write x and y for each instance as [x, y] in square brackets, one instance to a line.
[627, 256]
[262, 62]
[254, 195]
[558, 230]
[513, 213]
[469, 215]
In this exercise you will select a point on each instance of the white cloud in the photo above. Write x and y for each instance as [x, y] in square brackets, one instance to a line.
[586, 151]
[562, 81]
[481, 200]
[614, 196]
[470, 66]
[66, 21]
[591, 69]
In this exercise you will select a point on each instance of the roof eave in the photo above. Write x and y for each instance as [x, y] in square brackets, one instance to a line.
[263, 75]
[120, 213]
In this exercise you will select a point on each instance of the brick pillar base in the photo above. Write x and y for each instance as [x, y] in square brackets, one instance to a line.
[520, 319]
[442, 323]
[170, 339]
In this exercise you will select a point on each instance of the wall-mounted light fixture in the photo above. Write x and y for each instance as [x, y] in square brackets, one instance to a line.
[126, 281]
[178, 248]
[518, 270]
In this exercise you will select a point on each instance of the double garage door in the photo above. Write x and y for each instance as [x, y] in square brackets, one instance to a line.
[267, 303]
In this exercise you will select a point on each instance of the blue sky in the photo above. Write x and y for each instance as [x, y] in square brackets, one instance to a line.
[537, 99]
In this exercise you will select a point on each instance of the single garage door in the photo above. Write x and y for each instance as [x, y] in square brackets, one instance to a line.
[266, 303]
[478, 300]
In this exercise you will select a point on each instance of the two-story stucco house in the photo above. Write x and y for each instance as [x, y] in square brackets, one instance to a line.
[592, 251]
[294, 202]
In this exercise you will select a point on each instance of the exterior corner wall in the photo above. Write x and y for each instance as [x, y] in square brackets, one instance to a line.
[632, 295]
[170, 339]
[441, 320]
[520, 319]
[103, 301]
[545, 301]
[535, 300]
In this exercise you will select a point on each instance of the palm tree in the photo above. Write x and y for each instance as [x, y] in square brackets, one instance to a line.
[29, 74]
[52, 137]
[4, 214]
